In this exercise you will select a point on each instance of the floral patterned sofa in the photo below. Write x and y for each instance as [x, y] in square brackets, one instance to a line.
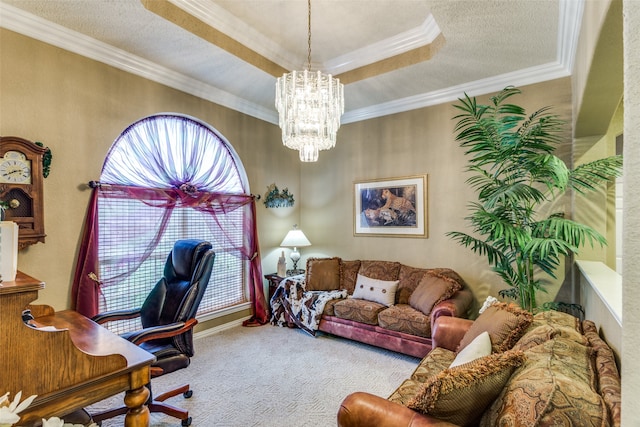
[382, 303]
[550, 369]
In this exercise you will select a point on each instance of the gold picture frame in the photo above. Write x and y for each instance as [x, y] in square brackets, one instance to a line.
[391, 207]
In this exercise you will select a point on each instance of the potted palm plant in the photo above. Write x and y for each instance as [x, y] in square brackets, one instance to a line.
[515, 174]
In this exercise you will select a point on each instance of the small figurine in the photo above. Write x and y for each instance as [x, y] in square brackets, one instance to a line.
[282, 266]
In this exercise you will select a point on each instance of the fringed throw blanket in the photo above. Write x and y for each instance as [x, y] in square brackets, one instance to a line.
[292, 304]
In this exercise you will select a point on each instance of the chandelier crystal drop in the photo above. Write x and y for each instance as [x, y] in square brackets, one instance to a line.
[309, 105]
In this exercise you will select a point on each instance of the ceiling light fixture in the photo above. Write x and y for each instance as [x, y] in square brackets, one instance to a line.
[309, 105]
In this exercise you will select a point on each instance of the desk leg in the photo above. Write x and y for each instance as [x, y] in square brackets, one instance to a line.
[138, 413]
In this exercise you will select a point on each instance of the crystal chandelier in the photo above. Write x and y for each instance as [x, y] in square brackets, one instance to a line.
[309, 105]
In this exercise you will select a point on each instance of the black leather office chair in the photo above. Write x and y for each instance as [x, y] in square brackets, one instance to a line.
[168, 318]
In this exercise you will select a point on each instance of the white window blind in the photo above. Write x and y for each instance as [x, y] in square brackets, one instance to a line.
[226, 286]
[158, 152]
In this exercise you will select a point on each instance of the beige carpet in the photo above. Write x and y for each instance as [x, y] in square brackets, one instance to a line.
[271, 376]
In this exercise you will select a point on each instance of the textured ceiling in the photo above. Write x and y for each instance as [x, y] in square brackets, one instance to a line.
[415, 52]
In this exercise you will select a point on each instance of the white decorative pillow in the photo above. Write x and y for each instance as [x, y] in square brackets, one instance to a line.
[479, 347]
[380, 291]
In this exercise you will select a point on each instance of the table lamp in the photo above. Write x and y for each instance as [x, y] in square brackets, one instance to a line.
[295, 238]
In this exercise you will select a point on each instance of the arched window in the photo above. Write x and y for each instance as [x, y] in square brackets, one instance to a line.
[168, 177]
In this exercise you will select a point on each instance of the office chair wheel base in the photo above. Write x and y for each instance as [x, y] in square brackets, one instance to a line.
[187, 422]
[187, 394]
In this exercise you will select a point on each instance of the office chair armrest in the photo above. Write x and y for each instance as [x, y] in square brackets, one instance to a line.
[158, 332]
[110, 316]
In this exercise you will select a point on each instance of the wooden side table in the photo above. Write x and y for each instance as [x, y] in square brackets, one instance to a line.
[274, 281]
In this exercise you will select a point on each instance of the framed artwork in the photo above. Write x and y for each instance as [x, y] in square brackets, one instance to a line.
[393, 207]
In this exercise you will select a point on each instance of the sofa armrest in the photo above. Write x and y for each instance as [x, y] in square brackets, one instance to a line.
[447, 332]
[362, 409]
[456, 306]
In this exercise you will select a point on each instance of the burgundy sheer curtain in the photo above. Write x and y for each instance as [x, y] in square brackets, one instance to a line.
[182, 162]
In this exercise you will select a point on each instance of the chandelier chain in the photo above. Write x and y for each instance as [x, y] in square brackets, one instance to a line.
[309, 36]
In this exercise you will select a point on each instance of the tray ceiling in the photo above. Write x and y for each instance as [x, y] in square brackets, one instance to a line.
[393, 55]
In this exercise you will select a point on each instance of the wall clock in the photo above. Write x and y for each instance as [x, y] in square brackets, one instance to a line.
[21, 187]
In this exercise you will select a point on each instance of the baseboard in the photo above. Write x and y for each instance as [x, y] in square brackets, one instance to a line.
[220, 328]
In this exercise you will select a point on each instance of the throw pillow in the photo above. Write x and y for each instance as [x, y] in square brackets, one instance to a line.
[460, 395]
[380, 291]
[557, 318]
[554, 387]
[409, 278]
[479, 347]
[537, 335]
[447, 274]
[323, 274]
[349, 274]
[505, 323]
[432, 290]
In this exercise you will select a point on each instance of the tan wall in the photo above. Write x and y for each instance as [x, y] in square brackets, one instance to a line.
[598, 113]
[597, 78]
[411, 143]
[78, 107]
[588, 210]
[603, 21]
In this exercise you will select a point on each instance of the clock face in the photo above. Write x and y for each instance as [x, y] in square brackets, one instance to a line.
[15, 168]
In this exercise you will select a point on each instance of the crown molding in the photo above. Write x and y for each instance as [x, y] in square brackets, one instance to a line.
[569, 24]
[479, 87]
[17, 20]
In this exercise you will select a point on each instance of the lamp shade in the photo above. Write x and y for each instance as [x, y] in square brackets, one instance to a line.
[295, 238]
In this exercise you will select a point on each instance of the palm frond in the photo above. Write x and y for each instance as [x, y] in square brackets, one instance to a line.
[510, 195]
[569, 231]
[546, 253]
[542, 131]
[505, 93]
[508, 276]
[499, 231]
[551, 171]
[477, 246]
[509, 293]
[588, 176]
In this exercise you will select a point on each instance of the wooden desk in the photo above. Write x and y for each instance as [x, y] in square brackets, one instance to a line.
[78, 364]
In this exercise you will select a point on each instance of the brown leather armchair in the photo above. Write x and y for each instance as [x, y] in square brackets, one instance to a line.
[361, 409]
[168, 317]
